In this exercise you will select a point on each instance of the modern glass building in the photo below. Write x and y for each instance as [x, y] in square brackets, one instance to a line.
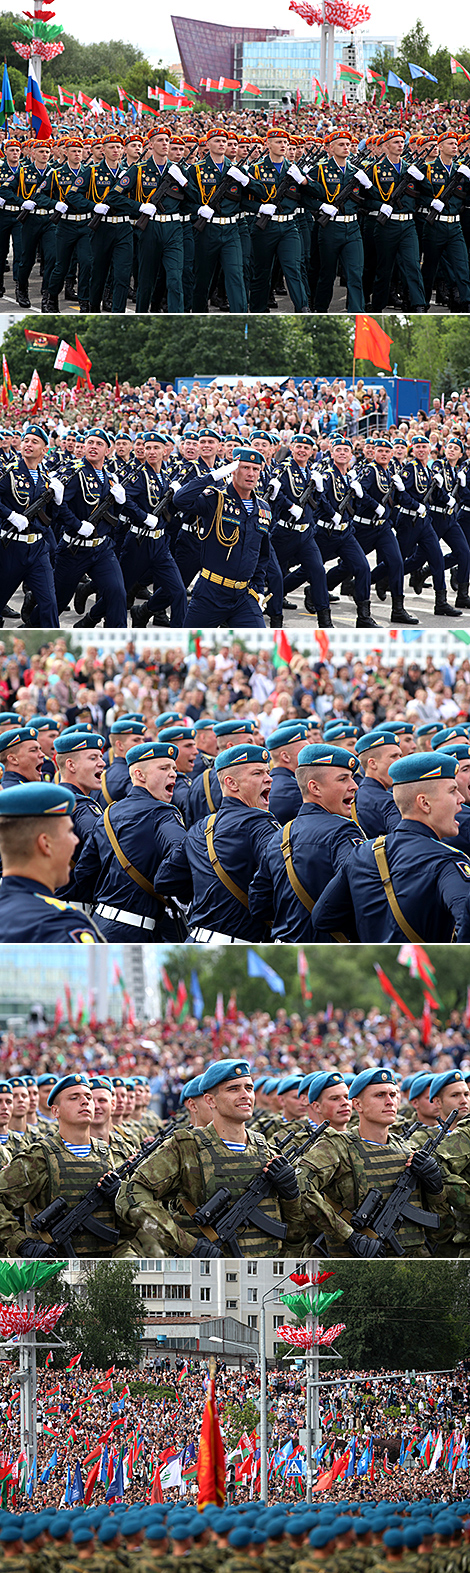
[208, 49]
[281, 65]
[34, 977]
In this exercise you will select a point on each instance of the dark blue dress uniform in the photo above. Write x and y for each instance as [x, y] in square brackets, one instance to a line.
[320, 843]
[240, 837]
[205, 794]
[84, 816]
[431, 881]
[281, 238]
[29, 912]
[146, 831]
[294, 539]
[219, 242]
[146, 554]
[115, 783]
[376, 534]
[112, 241]
[396, 241]
[463, 497]
[442, 506]
[339, 540]
[234, 543]
[12, 778]
[443, 240]
[181, 792]
[24, 555]
[412, 530]
[376, 808]
[186, 550]
[161, 242]
[94, 554]
[285, 797]
[339, 241]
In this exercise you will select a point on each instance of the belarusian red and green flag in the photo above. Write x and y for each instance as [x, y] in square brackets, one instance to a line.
[282, 654]
[194, 642]
[73, 358]
[457, 69]
[7, 390]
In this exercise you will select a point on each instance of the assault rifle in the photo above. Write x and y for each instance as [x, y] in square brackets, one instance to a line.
[164, 190]
[35, 510]
[348, 191]
[222, 1218]
[62, 1222]
[222, 190]
[453, 186]
[382, 1217]
[407, 183]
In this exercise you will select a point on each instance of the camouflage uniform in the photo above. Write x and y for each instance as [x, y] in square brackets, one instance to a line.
[341, 1169]
[48, 1170]
[194, 1164]
[454, 1160]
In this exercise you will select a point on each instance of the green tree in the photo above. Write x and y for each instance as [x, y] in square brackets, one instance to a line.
[107, 1318]
[403, 1314]
[237, 1420]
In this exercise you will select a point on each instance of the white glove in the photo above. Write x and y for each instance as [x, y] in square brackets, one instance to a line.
[118, 493]
[464, 170]
[101, 207]
[86, 529]
[397, 481]
[57, 488]
[437, 205]
[150, 522]
[380, 510]
[357, 488]
[462, 477]
[327, 207]
[2, 202]
[421, 511]
[295, 511]
[363, 179]
[28, 207]
[386, 209]
[274, 487]
[352, 474]
[225, 471]
[19, 520]
[452, 503]
[61, 207]
[268, 207]
[317, 478]
[237, 174]
[416, 173]
[175, 486]
[205, 212]
[438, 479]
[148, 207]
[296, 174]
[336, 518]
[177, 175]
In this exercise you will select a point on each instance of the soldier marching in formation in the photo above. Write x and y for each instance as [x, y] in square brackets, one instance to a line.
[220, 220]
[217, 533]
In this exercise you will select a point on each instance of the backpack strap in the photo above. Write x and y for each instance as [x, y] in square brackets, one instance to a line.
[384, 871]
[139, 879]
[294, 881]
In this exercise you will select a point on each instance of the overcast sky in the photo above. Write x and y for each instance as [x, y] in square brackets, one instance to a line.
[112, 19]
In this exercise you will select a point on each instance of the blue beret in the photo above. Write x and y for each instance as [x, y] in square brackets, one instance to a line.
[406, 1081]
[131, 715]
[43, 723]
[128, 724]
[225, 728]
[16, 1081]
[381, 738]
[295, 732]
[180, 1530]
[325, 754]
[177, 734]
[151, 751]
[320, 1082]
[288, 1082]
[155, 436]
[209, 431]
[272, 1083]
[243, 754]
[418, 437]
[260, 1080]
[381, 441]
[15, 735]
[335, 733]
[203, 724]
[348, 1077]
[108, 1531]
[78, 742]
[156, 1532]
[449, 734]
[239, 1537]
[419, 1084]
[302, 436]
[10, 715]
[192, 1088]
[32, 1530]
[167, 719]
[365, 1078]
[101, 1081]
[362, 1526]
[75, 1080]
[248, 455]
[446, 1079]
[118, 1081]
[47, 1079]
[5, 1086]
[394, 1539]
[412, 1537]
[223, 1070]
[78, 726]
[36, 799]
[11, 1532]
[397, 727]
[99, 431]
[341, 442]
[32, 430]
[457, 750]
[320, 1536]
[422, 767]
[427, 728]
[258, 1537]
[82, 1535]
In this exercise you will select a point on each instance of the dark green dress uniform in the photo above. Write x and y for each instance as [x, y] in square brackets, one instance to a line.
[161, 242]
[9, 226]
[112, 242]
[73, 240]
[339, 1170]
[280, 239]
[340, 241]
[397, 240]
[219, 242]
[36, 229]
[46, 1170]
[234, 541]
[443, 239]
[191, 1166]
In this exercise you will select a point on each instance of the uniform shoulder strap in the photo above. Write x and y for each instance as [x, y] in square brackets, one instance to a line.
[286, 849]
[104, 789]
[384, 871]
[139, 879]
[217, 867]
[207, 790]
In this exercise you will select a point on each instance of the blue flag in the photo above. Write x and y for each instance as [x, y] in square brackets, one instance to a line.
[116, 1489]
[68, 1487]
[170, 88]
[51, 1465]
[6, 105]
[77, 1493]
[257, 968]
[363, 1464]
[198, 1001]
[104, 1468]
[419, 71]
[352, 1461]
[31, 1479]
[395, 81]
